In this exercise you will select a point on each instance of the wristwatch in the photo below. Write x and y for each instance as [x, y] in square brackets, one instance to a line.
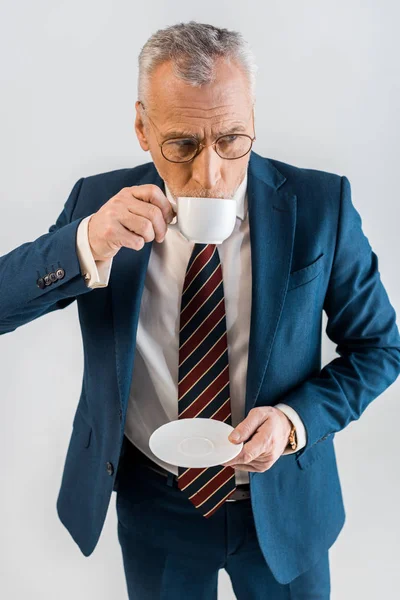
[293, 438]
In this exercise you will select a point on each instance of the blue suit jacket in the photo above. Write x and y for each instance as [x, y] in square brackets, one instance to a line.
[309, 254]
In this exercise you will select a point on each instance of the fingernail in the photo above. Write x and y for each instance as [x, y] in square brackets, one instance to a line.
[234, 436]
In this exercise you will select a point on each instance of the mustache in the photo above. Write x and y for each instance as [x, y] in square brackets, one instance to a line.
[203, 194]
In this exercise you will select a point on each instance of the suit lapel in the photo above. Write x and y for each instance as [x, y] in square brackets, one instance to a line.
[272, 221]
[126, 284]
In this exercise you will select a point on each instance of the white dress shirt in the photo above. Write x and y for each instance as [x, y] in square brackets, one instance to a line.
[153, 398]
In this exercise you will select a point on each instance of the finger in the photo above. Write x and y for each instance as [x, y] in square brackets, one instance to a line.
[240, 459]
[248, 426]
[154, 195]
[147, 210]
[250, 451]
[257, 446]
[128, 239]
[255, 467]
[259, 463]
[148, 228]
[246, 468]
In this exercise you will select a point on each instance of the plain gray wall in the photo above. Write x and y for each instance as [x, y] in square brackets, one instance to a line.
[328, 97]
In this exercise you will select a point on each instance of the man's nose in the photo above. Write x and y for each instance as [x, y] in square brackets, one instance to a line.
[206, 168]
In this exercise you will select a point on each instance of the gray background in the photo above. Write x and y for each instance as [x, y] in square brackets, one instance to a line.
[327, 98]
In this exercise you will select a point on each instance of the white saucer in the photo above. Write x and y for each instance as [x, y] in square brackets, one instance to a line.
[194, 442]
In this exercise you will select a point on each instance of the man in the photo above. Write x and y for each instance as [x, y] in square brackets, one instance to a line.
[270, 515]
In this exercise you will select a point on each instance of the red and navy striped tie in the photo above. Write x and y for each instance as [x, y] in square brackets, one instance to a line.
[203, 385]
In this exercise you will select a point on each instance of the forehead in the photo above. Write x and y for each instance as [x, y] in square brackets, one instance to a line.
[178, 106]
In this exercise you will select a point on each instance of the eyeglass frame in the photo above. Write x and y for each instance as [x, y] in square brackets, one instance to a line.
[200, 146]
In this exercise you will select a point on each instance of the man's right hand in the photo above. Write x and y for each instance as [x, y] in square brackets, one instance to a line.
[135, 215]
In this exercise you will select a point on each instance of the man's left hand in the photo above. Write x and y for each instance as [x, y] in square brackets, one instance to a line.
[266, 432]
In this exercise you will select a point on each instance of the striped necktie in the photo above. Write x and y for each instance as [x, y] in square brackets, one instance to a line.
[203, 382]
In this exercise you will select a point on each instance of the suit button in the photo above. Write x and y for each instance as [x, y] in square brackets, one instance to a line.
[47, 280]
[40, 283]
[110, 468]
[53, 277]
[60, 273]
[120, 414]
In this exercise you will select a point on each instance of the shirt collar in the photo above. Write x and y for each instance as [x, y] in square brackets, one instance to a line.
[240, 197]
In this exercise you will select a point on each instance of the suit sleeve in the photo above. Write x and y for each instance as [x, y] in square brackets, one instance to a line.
[362, 324]
[22, 299]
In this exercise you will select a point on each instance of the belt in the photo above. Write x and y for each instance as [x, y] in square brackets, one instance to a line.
[242, 491]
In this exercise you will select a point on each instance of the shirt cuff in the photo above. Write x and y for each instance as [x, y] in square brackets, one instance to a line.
[95, 272]
[298, 423]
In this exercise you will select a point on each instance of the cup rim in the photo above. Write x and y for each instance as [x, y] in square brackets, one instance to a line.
[199, 198]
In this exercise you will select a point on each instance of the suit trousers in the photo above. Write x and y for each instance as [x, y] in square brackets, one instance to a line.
[170, 551]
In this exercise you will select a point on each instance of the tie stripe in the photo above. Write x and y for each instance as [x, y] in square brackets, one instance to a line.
[203, 312]
[203, 366]
[195, 339]
[198, 299]
[220, 385]
[203, 381]
[200, 387]
[196, 264]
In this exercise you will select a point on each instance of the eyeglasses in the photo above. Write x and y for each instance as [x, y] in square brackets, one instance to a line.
[185, 149]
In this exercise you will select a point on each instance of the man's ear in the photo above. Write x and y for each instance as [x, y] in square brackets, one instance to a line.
[139, 127]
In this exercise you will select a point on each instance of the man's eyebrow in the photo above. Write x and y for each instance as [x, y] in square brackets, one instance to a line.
[186, 133]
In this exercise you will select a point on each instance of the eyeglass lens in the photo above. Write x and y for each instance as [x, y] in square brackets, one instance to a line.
[228, 146]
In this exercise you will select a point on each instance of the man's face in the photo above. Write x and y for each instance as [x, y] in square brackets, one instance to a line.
[178, 110]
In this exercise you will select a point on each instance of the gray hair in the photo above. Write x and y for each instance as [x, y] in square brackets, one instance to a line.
[193, 47]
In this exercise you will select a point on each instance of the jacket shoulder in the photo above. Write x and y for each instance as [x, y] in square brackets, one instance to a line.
[318, 192]
[306, 176]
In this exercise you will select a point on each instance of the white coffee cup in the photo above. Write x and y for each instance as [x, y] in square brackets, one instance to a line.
[205, 220]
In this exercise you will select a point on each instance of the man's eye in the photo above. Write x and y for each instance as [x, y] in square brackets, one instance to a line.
[182, 143]
[187, 144]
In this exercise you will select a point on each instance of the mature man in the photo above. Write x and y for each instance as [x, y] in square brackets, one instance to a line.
[270, 515]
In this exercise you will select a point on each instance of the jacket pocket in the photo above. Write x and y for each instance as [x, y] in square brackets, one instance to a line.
[306, 274]
[82, 430]
[308, 456]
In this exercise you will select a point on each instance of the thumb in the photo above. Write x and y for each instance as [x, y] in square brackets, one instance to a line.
[235, 436]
